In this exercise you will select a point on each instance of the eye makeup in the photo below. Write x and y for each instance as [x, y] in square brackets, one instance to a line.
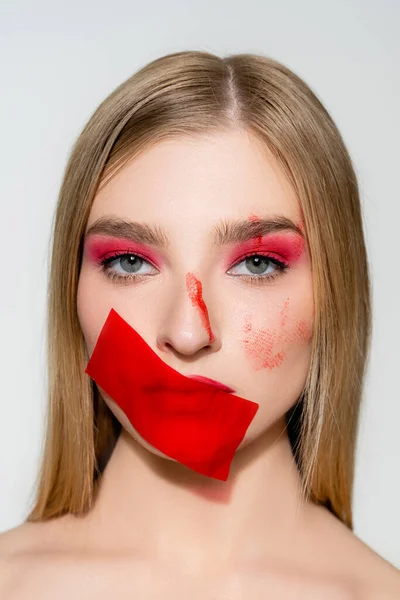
[287, 247]
[98, 248]
[280, 249]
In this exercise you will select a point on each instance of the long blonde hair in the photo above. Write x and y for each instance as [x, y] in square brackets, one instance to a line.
[187, 93]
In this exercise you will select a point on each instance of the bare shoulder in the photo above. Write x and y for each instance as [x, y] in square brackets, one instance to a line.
[13, 543]
[22, 548]
[334, 564]
[365, 574]
[381, 579]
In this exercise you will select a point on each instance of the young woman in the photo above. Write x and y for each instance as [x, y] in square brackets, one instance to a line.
[208, 226]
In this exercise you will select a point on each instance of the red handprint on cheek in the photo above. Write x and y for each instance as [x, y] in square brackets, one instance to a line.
[259, 346]
[262, 345]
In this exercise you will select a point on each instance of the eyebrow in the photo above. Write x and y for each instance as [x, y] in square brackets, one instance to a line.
[225, 232]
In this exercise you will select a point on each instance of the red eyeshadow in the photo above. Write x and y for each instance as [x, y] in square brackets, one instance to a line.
[285, 246]
[99, 247]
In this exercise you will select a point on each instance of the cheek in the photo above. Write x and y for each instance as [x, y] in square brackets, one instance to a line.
[93, 306]
[269, 347]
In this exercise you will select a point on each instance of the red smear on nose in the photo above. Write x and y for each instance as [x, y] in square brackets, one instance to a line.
[189, 421]
[195, 291]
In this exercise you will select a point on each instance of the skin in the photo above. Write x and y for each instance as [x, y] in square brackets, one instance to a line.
[180, 183]
[159, 529]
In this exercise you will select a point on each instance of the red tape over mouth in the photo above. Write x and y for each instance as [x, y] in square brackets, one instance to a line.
[199, 426]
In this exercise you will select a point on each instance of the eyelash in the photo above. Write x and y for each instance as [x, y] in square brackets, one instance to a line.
[252, 279]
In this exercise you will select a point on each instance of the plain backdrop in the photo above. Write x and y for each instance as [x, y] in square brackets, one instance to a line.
[59, 60]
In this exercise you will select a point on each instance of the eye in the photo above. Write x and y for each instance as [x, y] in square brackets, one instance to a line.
[124, 266]
[258, 264]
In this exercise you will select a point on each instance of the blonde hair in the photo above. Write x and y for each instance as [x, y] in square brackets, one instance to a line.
[187, 93]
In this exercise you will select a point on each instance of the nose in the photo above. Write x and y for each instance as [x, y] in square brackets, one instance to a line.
[188, 326]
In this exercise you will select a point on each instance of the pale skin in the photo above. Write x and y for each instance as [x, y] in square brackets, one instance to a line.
[158, 529]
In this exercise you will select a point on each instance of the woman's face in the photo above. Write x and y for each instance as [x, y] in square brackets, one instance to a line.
[236, 309]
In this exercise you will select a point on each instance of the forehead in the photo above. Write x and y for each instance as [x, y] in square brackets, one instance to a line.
[199, 179]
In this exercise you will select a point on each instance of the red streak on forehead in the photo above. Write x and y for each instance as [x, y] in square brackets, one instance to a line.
[256, 218]
[195, 291]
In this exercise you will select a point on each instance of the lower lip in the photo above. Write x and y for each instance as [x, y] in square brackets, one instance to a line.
[219, 386]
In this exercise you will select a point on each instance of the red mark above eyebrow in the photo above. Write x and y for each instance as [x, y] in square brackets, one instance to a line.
[289, 245]
[256, 218]
[195, 291]
[300, 223]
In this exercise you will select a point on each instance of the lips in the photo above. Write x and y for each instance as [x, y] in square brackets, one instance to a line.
[212, 383]
[194, 423]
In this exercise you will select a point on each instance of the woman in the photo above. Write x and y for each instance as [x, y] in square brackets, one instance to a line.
[208, 225]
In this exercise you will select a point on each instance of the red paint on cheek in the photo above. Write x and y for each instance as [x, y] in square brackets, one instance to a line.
[195, 291]
[300, 333]
[261, 345]
[284, 313]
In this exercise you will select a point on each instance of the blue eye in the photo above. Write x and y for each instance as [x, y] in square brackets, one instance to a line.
[130, 265]
[258, 265]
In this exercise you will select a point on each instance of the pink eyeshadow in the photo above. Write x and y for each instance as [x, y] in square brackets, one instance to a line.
[98, 248]
[285, 246]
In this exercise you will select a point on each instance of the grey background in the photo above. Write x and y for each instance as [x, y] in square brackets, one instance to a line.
[59, 60]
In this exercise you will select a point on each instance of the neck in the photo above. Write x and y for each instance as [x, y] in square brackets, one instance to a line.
[159, 509]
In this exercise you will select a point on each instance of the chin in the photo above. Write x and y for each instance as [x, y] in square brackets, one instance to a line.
[127, 425]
